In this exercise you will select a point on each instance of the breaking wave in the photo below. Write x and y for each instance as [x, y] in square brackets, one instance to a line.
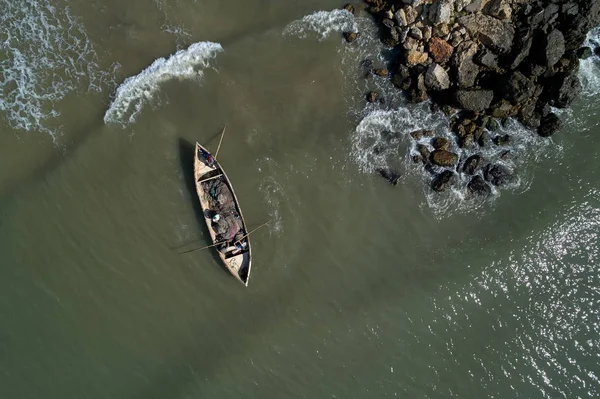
[130, 96]
[46, 54]
[589, 69]
[323, 23]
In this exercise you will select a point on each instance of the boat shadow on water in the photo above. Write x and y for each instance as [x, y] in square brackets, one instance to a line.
[186, 159]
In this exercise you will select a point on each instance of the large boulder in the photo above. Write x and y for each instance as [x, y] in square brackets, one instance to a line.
[466, 69]
[474, 100]
[498, 175]
[550, 124]
[478, 187]
[440, 50]
[473, 164]
[415, 57]
[562, 89]
[552, 48]
[440, 12]
[436, 77]
[499, 9]
[443, 158]
[443, 181]
[518, 88]
[491, 31]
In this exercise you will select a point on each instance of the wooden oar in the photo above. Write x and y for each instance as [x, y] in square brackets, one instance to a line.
[223, 242]
[220, 141]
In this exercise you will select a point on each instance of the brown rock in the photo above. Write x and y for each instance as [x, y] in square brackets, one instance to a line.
[440, 143]
[424, 151]
[381, 72]
[419, 134]
[350, 36]
[440, 50]
[443, 158]
[349, 7]
[372, 96]
[415, 58]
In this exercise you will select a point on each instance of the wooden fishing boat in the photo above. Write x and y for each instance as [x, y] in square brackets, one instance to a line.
[212, 185]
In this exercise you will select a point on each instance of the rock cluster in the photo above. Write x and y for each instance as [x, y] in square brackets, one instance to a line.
[487, 59]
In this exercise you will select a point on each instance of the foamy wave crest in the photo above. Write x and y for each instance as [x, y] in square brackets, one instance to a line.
[184, 64]
[46, 54]
[323, 23]
[589, 69]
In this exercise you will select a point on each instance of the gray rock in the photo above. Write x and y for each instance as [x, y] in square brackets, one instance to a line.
[563, 89]
[477, 186]
[466, 69]
[400, 17]
[518, 88]
[498, 175]
[443, 181]
[499, 9]
[440, 12]
[475, 5]
[550, 124]
[436, 77]
[415, 33]
[473, 164]
[554, 47]
[488, 59]
[474, 100]
[584, 53]
[490, 31]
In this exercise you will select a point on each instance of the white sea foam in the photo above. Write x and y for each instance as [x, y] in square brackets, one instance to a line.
[136, 90]
[46, 54]
[589, 69]
[323, 23]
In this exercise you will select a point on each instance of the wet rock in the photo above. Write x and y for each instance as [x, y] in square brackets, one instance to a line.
[483, 140]
[443, 181]
[402, 78]
[466, 69]
[417, 159]
[498, 175]
[550, 124]
[443, 158]
[349, 7]
[415, 57]
[502, 140]
[424, 151]
[502, 109]
[492, 125]
[597, 51]
[493, 33]
[584, 53]
[381, 72]
[350, 36]
[436, 78]
[440, 143]
[474, 100]
[478, 187]
[372, 96]
[419, 134]
[563, 89]
[473, 164]
[440, 50]
[390, 175]
[466, 140]
[518, 88]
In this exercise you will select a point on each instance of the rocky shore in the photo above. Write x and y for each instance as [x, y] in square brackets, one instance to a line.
[482, 61]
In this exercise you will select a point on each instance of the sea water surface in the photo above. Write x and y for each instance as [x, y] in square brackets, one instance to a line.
[359, 289]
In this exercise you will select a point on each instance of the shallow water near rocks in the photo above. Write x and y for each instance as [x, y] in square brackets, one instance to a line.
[359, 289]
